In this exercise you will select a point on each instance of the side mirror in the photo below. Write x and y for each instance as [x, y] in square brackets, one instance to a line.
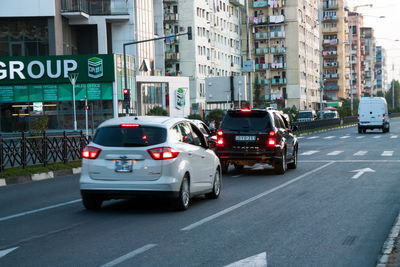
[212, 141]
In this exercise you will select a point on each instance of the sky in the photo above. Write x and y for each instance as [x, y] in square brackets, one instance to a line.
[386, 29]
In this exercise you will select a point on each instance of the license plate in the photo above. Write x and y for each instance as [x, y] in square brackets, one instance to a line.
[245, 138]
[123, 165]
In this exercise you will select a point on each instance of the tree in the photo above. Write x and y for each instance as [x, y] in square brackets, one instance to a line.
[217, 115]
[157, 111]
[389, 96]
[195, 117]
[39, 125]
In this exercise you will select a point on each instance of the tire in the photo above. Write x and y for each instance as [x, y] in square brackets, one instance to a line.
[364, 130]
[359, 130]
[281, 164]
[182, 202]
[91, 203]
[239, 167]
[293, 165]
[224, 166]
[216, 190]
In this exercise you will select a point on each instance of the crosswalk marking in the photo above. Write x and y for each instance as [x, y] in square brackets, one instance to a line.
[329, 137]
[344, 137]
[387, 153]
[335, 153]
[377, 137]
[360, 153]
[394, 136]
[307, 153]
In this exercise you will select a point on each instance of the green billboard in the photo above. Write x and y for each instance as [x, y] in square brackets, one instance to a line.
[56, 69]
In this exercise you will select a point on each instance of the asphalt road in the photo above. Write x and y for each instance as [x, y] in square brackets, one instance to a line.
[324, 213]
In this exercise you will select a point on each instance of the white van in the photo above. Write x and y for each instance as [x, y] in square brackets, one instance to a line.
[373, 114]
[306, 115]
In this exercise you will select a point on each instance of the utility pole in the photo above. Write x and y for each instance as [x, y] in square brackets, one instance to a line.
[393, 86]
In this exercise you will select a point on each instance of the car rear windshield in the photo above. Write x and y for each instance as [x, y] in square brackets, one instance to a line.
[305, 115]
[243, 121]
[130, 136]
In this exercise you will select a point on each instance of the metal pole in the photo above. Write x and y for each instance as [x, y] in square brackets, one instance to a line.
[86, 118]
[73, 101]
[351, 69]
[393, 87]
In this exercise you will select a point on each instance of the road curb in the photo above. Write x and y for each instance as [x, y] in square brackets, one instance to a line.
[38, 176]
[386, 257]
[326, 130]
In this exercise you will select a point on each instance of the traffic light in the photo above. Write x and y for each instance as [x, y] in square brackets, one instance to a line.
[189, 33]
[127, 94]
[87, 107]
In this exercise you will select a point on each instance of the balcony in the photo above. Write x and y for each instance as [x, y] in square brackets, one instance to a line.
[331, 76]
[329, 6]
[258, 4]
[239, 3]
[329, 18]
[278, 65]
[77, 9]
[329, 53]
[331, 64]
[172, 56]
[280, 34]
[277, 50]
[262, 20]
[171, 17]
[261, 51]
[330, 41]
[278, 81]
[261, 35]
[261, 67]
[331, 87]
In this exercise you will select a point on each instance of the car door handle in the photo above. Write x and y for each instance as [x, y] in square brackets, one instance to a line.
[202, 157]
[190, 154]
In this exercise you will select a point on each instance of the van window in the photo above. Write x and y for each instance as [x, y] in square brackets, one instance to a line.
[305, 115]
[130, 137]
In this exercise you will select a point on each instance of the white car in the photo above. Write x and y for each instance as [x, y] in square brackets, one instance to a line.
[149, 155]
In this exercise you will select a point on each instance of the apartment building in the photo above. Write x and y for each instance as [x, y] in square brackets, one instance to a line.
[381, 71]
[286, 51]
[334, 30]
[72, 29]
[369, 62]
[216, 46]
[355, 21]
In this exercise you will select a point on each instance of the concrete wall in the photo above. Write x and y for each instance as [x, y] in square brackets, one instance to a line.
[27, 8]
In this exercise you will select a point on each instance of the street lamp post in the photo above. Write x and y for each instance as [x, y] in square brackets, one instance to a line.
[73, 77]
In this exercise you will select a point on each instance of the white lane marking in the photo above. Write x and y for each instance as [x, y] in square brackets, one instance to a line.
[361, 172]
[300, 137]
[360, 153]
[335, 153]
[6, 251]
[308, 153]
[259, 260]
[394, 136]
[377, 137]
[329, 137]
[344, 137]
[2, 182]
[360, 137]
[234, 207]
[129, 255]
[312, 137]
[387, 153]
[38, 210]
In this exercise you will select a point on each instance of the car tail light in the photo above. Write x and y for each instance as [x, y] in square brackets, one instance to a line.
[161, 153]
[129, 125]
[220, 138]
[271, 141]
[245, 110]
[90, 152]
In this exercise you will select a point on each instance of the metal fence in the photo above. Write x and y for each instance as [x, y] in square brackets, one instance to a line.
[44, 149]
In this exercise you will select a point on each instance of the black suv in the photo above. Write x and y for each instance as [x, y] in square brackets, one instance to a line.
[250, 136]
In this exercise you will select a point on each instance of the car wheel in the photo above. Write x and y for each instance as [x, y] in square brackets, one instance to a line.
[183, 200]
[224, 166]
[239, 167]
[214, 194]
[281, 165]
[364, 130]
[359, 130]
[91, 203]
[293, 164]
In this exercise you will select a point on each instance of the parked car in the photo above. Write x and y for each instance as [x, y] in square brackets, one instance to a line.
[329, 114]
[247, 137]
[306, 115]
[373, 114]
[149, 155]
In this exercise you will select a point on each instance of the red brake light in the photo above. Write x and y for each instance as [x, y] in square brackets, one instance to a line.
[272, 133]
[220, 139]
[160, 153]
[220, 133]
[271, 141]
[245, 110]
[90, 152]
[129, 125]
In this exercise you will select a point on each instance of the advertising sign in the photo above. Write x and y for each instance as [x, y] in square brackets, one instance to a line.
[180, 95]
[55, 69]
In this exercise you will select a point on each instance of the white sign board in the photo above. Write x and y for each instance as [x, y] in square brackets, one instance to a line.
[248, 66]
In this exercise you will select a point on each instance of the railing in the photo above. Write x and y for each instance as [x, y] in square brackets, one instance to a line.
[96, 7]
[31, 150]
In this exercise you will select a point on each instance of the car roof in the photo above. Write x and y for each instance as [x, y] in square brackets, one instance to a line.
[163, 121]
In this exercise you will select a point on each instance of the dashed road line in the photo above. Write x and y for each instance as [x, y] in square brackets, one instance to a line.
[360, 153]
[129, 255]
[387, 153]
[377, 137]
[329, 137]
[345, 137]
[335, 153]
[312, 137]
[360, 137]
[308, 153]
[394, 136]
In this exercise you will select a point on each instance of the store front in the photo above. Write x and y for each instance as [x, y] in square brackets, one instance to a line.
[33, 88]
